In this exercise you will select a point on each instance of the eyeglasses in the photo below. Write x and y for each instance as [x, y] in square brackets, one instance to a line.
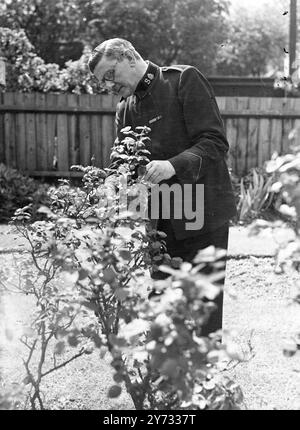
[108, 78]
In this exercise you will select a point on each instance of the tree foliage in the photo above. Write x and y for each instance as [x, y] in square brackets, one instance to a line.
[26, 71]
[166, 31]
[203, 33]
[54, 27]
[255, 44]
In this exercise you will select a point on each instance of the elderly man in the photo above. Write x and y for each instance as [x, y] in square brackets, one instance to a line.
[188, 142]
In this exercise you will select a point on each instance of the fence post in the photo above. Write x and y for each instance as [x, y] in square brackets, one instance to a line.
[2, 70]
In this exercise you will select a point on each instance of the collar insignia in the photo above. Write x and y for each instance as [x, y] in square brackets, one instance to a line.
[146, 80]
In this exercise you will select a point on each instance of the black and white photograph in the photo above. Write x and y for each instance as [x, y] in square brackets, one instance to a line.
[149, 207]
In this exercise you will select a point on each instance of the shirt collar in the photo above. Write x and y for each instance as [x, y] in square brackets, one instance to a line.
[147, 80]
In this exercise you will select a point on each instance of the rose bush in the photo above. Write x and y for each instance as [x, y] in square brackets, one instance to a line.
[91, 283]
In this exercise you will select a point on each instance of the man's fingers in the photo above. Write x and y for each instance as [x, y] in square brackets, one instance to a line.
[150, 178]
[151, 171]
[149, 165]
[155, 178]
[154, 172]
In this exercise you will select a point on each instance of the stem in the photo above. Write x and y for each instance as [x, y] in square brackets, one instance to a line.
[32, 252]
[34, 383]
[79, 354]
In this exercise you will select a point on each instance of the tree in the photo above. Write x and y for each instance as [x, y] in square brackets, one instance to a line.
[256, 42]
[165, 31]
[54, 27]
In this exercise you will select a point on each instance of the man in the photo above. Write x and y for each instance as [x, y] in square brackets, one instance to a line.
[188, 143]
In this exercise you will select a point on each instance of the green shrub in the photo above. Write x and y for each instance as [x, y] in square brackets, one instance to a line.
[76, 78]
[27, 72]
[17, 190]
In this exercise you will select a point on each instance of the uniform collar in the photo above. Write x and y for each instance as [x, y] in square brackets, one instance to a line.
[147, 80]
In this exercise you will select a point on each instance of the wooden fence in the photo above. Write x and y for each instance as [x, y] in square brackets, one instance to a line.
[44, 134]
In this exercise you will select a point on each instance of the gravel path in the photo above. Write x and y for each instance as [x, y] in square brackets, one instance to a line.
[261, 313]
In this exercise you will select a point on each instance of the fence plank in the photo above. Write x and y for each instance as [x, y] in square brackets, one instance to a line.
[276, 128]
[2, 141]
[30, 134]
[108, 131]
[73, 130]
[62, 137]
[221, 103]
[21, 148]
[96, 142]
[85, 132]
[242, 138]
[288, 125]
[41, 133]
[264, 149]
[253, 135]
[51, 134]
[10, 133]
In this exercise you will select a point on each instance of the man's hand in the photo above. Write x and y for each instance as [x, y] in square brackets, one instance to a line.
[159, 170]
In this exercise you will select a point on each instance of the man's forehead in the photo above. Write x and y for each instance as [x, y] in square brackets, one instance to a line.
[103, 66]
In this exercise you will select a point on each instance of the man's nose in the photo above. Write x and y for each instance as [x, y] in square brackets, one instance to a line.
[109, 85]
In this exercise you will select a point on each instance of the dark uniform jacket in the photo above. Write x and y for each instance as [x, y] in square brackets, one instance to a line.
[179, 106]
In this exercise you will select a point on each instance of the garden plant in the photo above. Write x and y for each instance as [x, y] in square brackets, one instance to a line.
[88, 274]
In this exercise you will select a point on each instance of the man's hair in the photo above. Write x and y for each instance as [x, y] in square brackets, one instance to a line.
[112, 48]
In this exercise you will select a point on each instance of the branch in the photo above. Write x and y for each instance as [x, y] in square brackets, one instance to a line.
[80, 353]
[32, 348]
[44, 344]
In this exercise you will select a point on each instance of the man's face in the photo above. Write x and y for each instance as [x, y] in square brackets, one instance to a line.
[117, 76]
